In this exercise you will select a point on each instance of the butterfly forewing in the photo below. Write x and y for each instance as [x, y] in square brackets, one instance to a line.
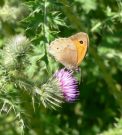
[64, 51]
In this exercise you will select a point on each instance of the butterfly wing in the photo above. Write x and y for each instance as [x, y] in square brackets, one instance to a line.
[70, 51]
[81, 52]
[64, 51]
[81, 42]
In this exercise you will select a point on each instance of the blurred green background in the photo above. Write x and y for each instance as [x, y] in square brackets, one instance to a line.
[98, 110]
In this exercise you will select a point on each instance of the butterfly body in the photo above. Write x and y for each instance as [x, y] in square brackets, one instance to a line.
[70, 51]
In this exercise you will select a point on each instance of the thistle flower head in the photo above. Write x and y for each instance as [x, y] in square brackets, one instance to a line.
[14, 48]
[68, 84]
[61, 87]
[11, 13]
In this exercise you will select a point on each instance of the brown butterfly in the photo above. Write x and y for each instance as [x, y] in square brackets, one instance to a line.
[70, 51]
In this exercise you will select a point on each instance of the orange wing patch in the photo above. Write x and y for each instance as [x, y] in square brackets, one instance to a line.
[81, 51]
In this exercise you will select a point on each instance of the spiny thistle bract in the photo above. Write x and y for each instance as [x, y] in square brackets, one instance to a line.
[14, 48]
[60, 88]
[50, 94]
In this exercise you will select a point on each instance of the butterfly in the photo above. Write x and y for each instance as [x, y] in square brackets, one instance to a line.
[70, 51]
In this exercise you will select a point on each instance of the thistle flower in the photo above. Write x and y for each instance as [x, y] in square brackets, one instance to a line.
[12, 13]
[61, 87]
[8, 13]
[15, 47]
[68, 84]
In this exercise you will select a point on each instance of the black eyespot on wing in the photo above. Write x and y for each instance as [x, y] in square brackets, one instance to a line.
[81, 42]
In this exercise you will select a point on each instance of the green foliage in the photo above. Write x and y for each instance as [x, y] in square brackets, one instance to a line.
[116, 130]
[26, 29]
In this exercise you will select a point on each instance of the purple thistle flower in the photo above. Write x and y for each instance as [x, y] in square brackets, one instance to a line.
[68, 84]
